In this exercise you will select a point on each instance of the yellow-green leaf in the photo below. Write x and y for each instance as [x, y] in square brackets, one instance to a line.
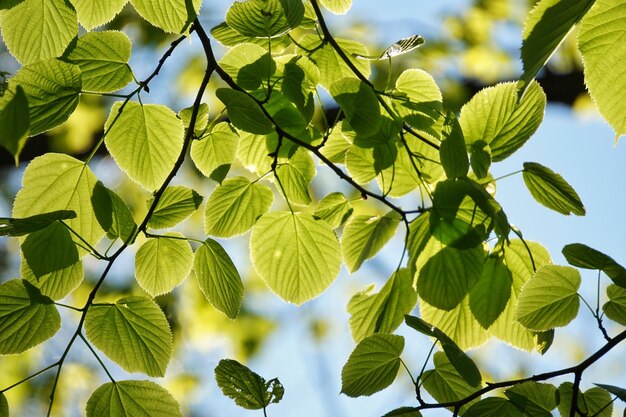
[132, 398]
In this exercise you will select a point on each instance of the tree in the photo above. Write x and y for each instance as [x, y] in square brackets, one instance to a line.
[392, 143]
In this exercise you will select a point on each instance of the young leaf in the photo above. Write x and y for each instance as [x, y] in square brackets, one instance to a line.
[244, 113]
[372, 365]
[359, 103]
[600, 40]
[493, 407]
[163, 263]
[297, 256]
[132, 398]
[551, 190]
[235, 206]
[337, 6]
[247, 388]
[218, 278]
[176, 204]
[546, 26]
[265, 18]
[364, 236]
[35, 30]
[94, 13]
[14, 115]
[103, 60]
[497, 117]
[216, 149]
[615, 308]
[444, 383]
[172, 16]
[156, 141]
[403, 46]
[492, 292]
[452, 149]
[582, 256]
[27, 318]
[534, 398]
[113, 214]
[133, 332]
[334, 209]
[549, 299]
[21, 227]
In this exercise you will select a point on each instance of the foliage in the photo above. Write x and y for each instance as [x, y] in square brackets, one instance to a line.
[262, 142]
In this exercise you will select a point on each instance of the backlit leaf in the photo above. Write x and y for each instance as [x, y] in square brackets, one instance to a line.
[615, 308]
[534, 398]
[337, 6]
[492, 292]
[295, 176]
[265, 18]
[244, 113]
[452, 149]
[56, 284]
[359, 103]
[334, 209]
[175, 205]
[172, 16]
[4, 406]
[419, 100]
[404, 412]
[113, 214]
[250, 65]
[133, 332]
[21, 227]
[14, 116]
[617, 391]
[50, 249]
[403, 46]
[595, 401]
[94, 13]
[216, 149]
[372, 365]
[444, 383]
[551, 190]
[461, 362]
[247, 388]
[132, 398]
[297, 256]
[582, 256]
[27, 318]
[493, 407]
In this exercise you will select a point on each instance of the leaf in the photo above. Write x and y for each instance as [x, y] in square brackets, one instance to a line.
[295, 176]
[534, 398]
[419, 100]
[461, 362]
[247, 388]
[244, 113]
[103, 60]
[334, 209]
[133, 332]
[495, 116]
[549, 299]
[337, 6]
[163, 263]
[546, 27]
[21, 227]
[265, 18]
[403, 46]
[216, 149]
[59, 182]
[372, 365]
[582, 256]
[4, 406]
[49, 250]
[145, 141]
[94, 13]
[218, 278]
[175, 205]
[617, 391]
[593, 402]
[359, 103]
[235, 206]
[202, 118]
[228, 36]
[55, 284]
[173, 16]
[364, 236]
[382, 312]
[481, 158]
[493, 407]
[336, 145]
[492, 292]
[444, 383]
[615, 308]
[600, 40]
[113, 214]
[452, 149]
[132, 398]
[36, 30]
[14, 116]
[27, 318]
[51, 88]
[297, 256]
[250, 65]
[551, 190]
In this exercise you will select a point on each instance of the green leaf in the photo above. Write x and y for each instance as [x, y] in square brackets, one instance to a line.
[103, 60]
[617, 391]
[337, 6]
[163, 263]
[49, 250]
[94, 13]
[51, 88]
[359, 103]
[175, 205]
[295, 176]
[157, 141]
[549, 299]
[27, 318]
[297, 256]
[56, 284]
[265, 18]
[364, 236]
[250, 65]
[533, 398]
[35, 30]
[216, 149]
[218, 278]
[452, 149]
[21, 227]
[582, 256]
[593, 402]
[59, 182]
[113, 214]
[14, 115]
[382, 312]
[172, 16]
[202, 118]
[492, 292]
[133, 332]
[481, 158]
[551, 190]
[600, 40]
[401, 178]
[336, 145]
[228, 36]
[372, 365]
[419, 100]
[615, 308]
[4, 406]
[403, 46]
[244, 113]
[495, 116]
[132, 398]
[404, 412]
[254, 152]
[334, 209]
[493, 407]
[235, 206]
[444, 383]
[461, 362]
[247, 388]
